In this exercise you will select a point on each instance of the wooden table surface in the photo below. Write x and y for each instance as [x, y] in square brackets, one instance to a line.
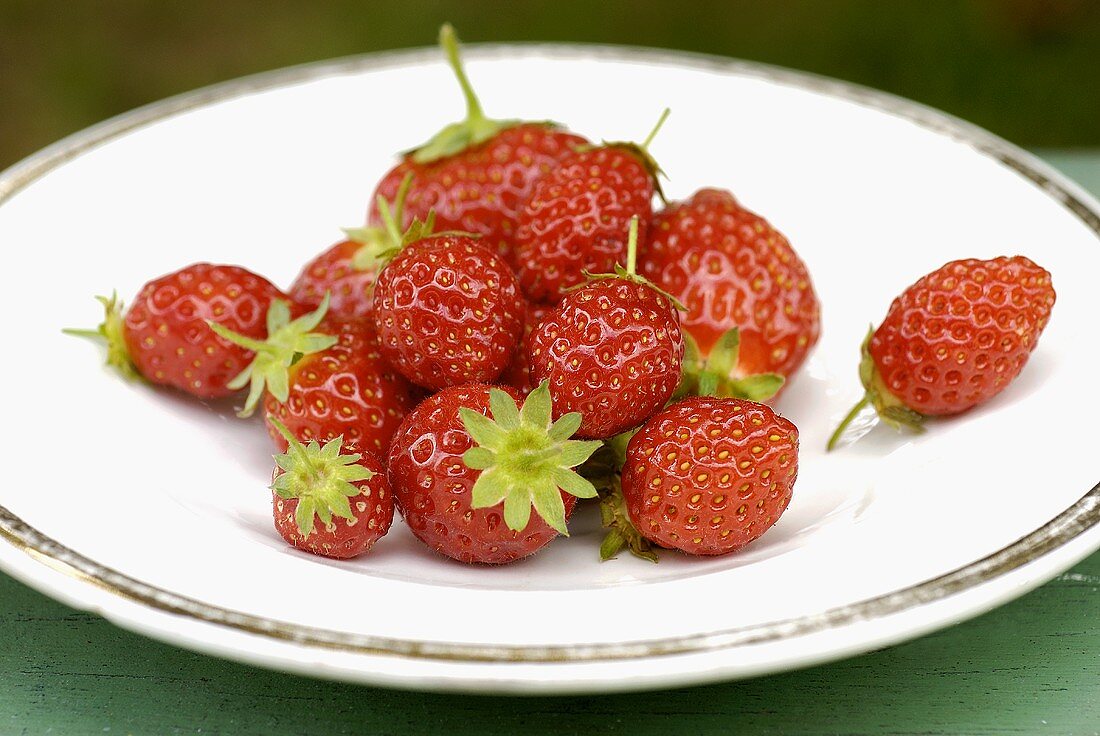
[1030, 667]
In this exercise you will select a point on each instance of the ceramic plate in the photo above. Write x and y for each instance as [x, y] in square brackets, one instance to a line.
[153, 510]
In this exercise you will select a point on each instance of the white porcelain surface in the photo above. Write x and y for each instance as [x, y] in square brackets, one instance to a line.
[173, 493]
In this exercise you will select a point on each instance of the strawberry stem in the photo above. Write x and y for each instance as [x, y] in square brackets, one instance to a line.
[112, 332]
[449, 42]
[846, 421]
[632, 247]
[295, 446]
[656, 128]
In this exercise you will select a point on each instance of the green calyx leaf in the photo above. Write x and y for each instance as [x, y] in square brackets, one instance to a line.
[475, 129]
[526, 459]
[717, 374]
[111, 332]
[287, 342]
[887, 406]
[621, 532]
[629, 272]
[379, 243]
[320, 477]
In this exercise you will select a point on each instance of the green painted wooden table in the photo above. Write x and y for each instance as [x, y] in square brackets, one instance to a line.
[1031, 667]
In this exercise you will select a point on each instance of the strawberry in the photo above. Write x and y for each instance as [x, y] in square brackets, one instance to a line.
[347, 270]
[518, 373]
[611, 350]
[448, 311]
[709, 475]
[466, 482]
[164, 336]
[733, 270]
[955, 338]
[325, 384]
[575, 219]
[347, 493]
[476, 174]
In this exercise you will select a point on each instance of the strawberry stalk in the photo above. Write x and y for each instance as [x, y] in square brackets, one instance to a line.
[888, 407]
[287, 342]
[380, 243]
[475, 129]
[526, 460]
[641, 152]
[630, 272]
[319, 477]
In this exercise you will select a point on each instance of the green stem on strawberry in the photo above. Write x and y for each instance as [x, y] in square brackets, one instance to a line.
[888, 407]
[287, 342]
[717, 374]
[641, 151]
[475, 129]
[111, 331]
[319, 477]
[526, 460]
[629, 273]
[603, 471]
[656, 128]
[380, 243]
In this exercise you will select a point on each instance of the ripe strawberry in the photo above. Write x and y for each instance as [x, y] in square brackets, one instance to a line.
[709, 475]
[476, 174]
[347, 270]
[448, 311]
[347, 493]
[164, 336]
[611, 350]
[576, 217]
[466, 483]
[325, 384]
[732, 269]
[955, 338]
[518, 373]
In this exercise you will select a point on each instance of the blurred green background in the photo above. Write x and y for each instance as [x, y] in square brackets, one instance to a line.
[1026, 69]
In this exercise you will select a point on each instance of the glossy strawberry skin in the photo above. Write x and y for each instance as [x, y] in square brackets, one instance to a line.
[577, 219]
[708, 476]
[169, 340]
[448, 312]
[433, 486]
[961, 334]
[731, 268]
[481, 189]
[612, 351]
[518, 373]
[345, 391]
[334, 272]
[343, 538]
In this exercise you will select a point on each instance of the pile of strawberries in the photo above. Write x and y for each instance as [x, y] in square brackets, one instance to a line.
[516, 328]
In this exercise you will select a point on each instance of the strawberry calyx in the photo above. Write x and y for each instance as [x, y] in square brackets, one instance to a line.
[603, 470]
[475, 129]
[112, 332]
[716, 375]
[288, 341]
[641, 152]
[379, 242]
[630, 271]
[319, 477]
[887, 406]
[525, 458]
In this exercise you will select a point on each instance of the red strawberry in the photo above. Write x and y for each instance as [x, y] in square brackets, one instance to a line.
[732, 269]
[466, 483]
[709, 475]
[477, 173]
[325, 384]
[347, 493]
[518, 373]
[448, 311]
[955, 338]
[164, 335]
[576, 217]
[611, 350]
[347, 270]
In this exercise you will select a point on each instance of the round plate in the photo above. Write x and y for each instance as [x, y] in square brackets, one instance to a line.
[153, 510]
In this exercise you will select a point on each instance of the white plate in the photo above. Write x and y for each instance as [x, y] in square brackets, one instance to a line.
[153, 510]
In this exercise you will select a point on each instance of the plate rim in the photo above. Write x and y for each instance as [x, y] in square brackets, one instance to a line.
[1070, 524]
